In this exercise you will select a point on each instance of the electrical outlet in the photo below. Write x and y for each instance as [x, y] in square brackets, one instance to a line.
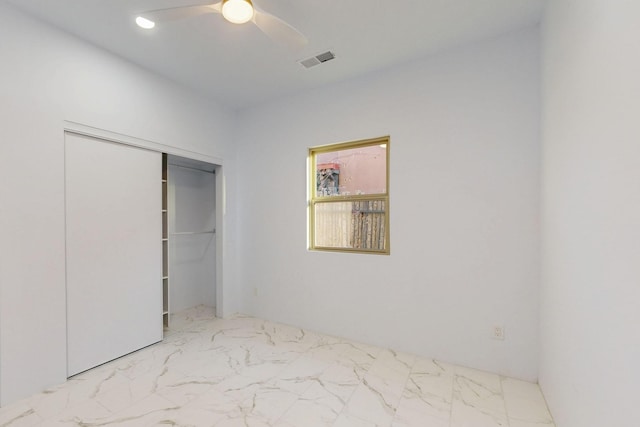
[498, 333]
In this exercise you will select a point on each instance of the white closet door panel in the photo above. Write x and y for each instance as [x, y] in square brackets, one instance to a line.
[114, 250]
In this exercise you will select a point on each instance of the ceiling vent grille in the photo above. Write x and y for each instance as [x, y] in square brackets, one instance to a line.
[318, 59]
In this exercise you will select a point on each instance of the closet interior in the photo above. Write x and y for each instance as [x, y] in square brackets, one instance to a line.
[189, 235]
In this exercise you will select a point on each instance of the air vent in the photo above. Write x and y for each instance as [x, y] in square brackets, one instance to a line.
[318, 59]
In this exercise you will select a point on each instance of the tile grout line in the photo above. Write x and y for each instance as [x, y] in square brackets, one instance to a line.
[546, 404]
[453, 384]
[504, 401]
[404, 388]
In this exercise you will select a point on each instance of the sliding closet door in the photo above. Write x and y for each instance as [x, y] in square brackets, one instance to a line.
[114, 250]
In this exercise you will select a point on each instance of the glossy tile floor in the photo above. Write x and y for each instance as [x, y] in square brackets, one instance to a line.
[247, 372]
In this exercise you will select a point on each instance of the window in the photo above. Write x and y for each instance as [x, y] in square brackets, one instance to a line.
[349, 197]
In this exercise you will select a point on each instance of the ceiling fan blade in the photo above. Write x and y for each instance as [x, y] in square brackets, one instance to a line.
[176, 13]
[279, 31]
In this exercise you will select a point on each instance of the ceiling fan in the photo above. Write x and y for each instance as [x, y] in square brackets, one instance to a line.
[235, 11]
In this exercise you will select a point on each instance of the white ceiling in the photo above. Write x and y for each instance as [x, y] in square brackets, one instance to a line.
[239, 66]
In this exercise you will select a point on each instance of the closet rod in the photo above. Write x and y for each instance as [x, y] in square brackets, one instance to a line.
[192, 168]
[187, 233]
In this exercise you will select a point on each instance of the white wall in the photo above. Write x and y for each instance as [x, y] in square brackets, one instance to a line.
[464, 129]
[590, 298]
[47, 77]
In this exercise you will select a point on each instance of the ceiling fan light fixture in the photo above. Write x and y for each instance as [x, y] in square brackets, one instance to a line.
[145, 23]
[237, 11]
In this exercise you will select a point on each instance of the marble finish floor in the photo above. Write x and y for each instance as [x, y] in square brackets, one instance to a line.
[248, 372]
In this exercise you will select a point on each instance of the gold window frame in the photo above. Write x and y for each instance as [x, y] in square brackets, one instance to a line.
[315, 199]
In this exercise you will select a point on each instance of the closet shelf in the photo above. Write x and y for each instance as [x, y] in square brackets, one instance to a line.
[188, 233]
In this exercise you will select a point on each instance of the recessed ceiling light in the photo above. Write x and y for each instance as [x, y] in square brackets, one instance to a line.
[145, 23]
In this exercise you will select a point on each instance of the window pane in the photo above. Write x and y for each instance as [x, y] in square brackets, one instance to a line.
[359, 170]
[351, 225]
